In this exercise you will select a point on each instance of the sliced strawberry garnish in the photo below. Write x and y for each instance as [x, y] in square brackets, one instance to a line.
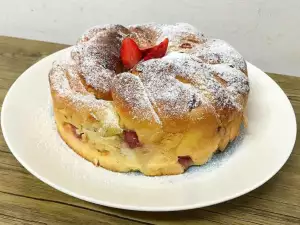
[130, 53]
[157, 51]
[131, 139]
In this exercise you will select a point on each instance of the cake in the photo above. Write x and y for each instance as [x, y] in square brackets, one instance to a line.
[153, 98]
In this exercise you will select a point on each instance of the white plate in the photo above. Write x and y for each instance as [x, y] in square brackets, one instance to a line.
[260, 151]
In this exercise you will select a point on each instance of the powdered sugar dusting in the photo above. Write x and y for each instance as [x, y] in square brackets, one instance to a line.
[216, 51]
[83, 102]
[94, 31]
[132, 94]
[236, 80]
[209, 73]
[158, 76]
[99, 57]
[53, 149]
[176, 33]
[181, 79]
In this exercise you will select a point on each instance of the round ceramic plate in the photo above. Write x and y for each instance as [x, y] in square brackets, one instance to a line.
[257, 154]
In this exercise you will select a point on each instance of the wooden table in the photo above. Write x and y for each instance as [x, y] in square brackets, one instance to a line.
[26, 200]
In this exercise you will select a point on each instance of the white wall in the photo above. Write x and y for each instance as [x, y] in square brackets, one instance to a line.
[266, 32]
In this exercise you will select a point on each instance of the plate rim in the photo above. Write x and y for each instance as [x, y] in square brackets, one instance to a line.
[130, 206]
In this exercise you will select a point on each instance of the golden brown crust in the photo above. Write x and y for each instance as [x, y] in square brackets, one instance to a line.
[157, 159]
[189, 104]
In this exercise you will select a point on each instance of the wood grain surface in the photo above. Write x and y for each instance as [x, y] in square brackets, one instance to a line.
[26, 200]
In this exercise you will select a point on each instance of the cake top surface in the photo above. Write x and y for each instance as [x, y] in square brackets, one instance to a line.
[196, 71]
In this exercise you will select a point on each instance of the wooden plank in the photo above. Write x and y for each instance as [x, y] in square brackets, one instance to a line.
[46, 212]
[26, 200]
[4, 220]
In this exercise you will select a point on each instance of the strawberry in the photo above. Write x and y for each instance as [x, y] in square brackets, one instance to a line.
[73, 130]
[185, 161]
[157, 51]
[131, 139]
[130, 53]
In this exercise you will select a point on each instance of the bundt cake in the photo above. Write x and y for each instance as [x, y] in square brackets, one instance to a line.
[152, 98]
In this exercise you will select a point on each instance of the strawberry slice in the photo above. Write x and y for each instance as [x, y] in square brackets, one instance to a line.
[130, 53]
[157, 51]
